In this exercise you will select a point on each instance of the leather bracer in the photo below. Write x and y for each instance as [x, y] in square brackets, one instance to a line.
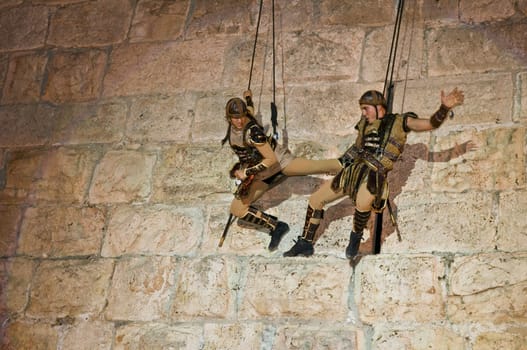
[439, 116]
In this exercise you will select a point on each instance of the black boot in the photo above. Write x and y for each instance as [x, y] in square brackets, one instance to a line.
[260, 220]
[353, 247]
[279, 231]
[304, 245]
[360, 219]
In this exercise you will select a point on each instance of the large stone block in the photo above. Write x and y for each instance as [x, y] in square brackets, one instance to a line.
[471, 50]
[498, 164]
[11, 3]
[436, 222]
[26, 125]
[219, 276]
[138, 336]
[205, 20]
[511, 338]
[521, 109]
[399, 288]
[165, 67]
[157, 230]
[512, 224]
[98, 23]
[163, 118]
[88, 335]
[24, 78]
[239, 61]
[441, 12]
[486, 11]
[23, 28]
[87, 123]
[60, 288]
[316, 113]
[355, 13]
[335, 336]
[141, 289]
[208, 116]
[488, 287]
[176, 179]
[421, 336]
[315, 289]
[10, 217]
[158, 20]
[29, 334]
[410, 64]
[52, 231]
[337, 55]
[235, 336]
[486, 97]
[75, 76]
[15, 276]
[4, 61]
[58, 174]
[122, 177]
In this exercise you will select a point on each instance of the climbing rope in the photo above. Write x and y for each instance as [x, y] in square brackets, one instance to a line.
[388, 91]
[388, 84]
[274, 111]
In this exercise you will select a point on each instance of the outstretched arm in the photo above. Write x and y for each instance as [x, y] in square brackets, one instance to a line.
[449, 101]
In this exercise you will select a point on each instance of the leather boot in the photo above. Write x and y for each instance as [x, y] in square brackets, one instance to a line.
[260, 220]
[353, 247]
[279, 231]
[304, 245]
[360, 219]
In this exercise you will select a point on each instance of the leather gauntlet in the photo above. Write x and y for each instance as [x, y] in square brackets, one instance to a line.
[439, 116]
[255, 169]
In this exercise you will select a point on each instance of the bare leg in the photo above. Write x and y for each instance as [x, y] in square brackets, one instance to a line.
[302, 166]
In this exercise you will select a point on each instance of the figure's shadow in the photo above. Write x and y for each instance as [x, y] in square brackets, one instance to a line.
[397, 179]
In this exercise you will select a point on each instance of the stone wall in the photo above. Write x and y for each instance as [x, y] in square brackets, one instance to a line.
[114, 188]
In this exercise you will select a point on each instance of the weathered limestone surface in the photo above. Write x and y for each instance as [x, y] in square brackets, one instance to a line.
[24, 78]
[122, 177]
[101, 123]
[164, 67]
[75, 76]
[141, 289]
[114, 186]
[59, 288]
[61, 231]
[159, 20]
[157, 230]
[162, 119]
[97, 23]
[23, 28]
[395, 289]
[11, 216]
[282, 290]
[137, 336]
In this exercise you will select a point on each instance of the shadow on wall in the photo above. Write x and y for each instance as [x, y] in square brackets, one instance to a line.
[397, 179]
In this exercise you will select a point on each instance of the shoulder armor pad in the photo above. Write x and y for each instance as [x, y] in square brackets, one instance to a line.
[405, 117]
[256, 135]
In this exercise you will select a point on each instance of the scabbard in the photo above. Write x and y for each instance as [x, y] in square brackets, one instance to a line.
[226, 229]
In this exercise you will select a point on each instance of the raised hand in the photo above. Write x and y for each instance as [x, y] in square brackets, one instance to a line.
[453, 99]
